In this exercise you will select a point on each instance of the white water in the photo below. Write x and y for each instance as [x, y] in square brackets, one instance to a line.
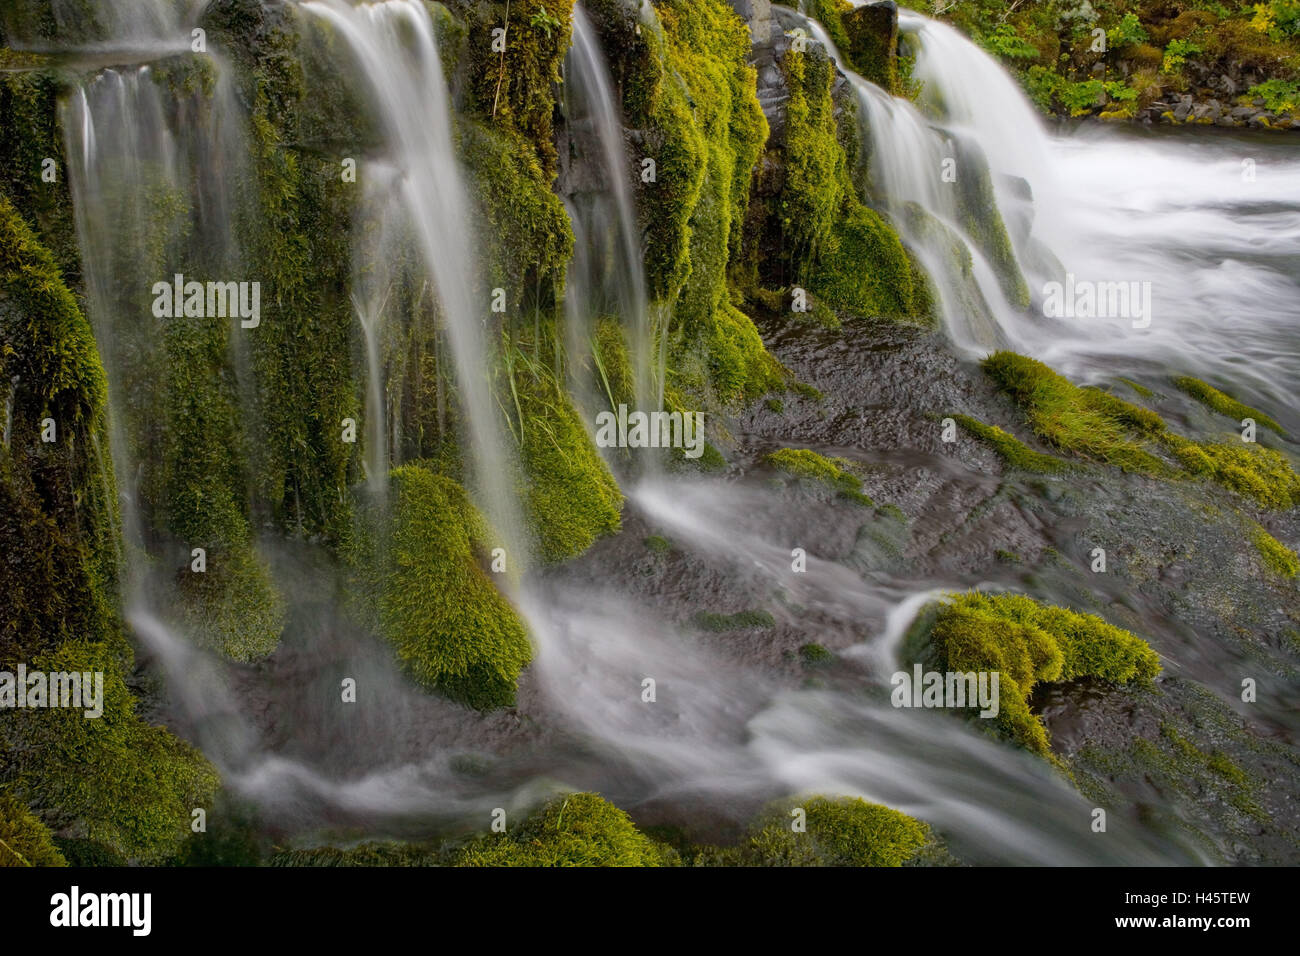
[113, 25]
[609, 271]
[721, 728]
[1211, 222]
[397, 54]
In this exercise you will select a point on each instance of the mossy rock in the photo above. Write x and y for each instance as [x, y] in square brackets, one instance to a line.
[1027, 643]
[577, 830]
[24, 840]
[571, 495]
[840, 831]
[806, 464]
[424, 590]
[112, 779]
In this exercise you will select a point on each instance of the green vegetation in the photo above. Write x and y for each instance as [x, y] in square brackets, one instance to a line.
[814, 655]
[577, 830]
[115, 779]
[571, 497]
[740, 621]
[24, 840]
[1211, 397]
[808, 465]
[1011, 449]
[426, 592]
[840, 831]
[1098, 426]
[1154, 50]
[845, 253]
[1029, 643]
[1279, 559]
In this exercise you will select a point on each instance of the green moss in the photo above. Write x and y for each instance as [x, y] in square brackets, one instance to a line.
[29, 116]
[113, 779]
[1262, 474]
[515, 88]
[571, 496]
[1279, 559]
[1012, 451]
[806, 464]
[60, 518]
[658, 544]
[525, 230]
[425, 591]
[845, 253]
[814, 655]
[24, 840]
[740, 621]
[1141, 390]
[872, 34]
[1211, 397]
[774, 405]
[614, 364]
[1007, 557]
[739, 365]
[1028, 643]
[578, 830]
[1088, 422]
[365, 854]
[840, 831]
[863, 268]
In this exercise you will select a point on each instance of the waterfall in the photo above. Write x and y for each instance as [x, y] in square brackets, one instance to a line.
[608, 273]
[105, 25]
[152, 197]
[396, 51]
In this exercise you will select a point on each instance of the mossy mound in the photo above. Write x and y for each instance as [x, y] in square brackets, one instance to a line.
[425, 591]
[1277, 557]
[1096, 425]
[524, 228]
[113, 779]
[1028, 643]
[571, 496]
[845, 253]
[24, 840]
[1224, 404]
[578, 830]
[1011, 449]
[807, 464]
[840, 831]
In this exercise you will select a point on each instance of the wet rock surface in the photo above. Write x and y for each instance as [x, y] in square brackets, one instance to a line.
[1187, 756]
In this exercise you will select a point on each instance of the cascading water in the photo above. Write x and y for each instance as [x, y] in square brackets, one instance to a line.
[724, 728]
[1207, 228]
[395, 47]
[608, 275]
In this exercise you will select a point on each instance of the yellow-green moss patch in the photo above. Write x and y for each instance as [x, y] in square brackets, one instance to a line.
[578, 830]
[1028, 643]
[806, 464]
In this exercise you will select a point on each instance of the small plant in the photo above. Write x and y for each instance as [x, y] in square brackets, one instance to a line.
[1176, 54]
[1005, 42]
[1128, 32]
[542, 20]
[1279, 96]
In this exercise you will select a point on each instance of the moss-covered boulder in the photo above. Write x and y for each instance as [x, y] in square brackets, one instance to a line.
[835, 831]
[577, 830]
[1028, 643]
[24, 840]
[424, 589]
[113, 779]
